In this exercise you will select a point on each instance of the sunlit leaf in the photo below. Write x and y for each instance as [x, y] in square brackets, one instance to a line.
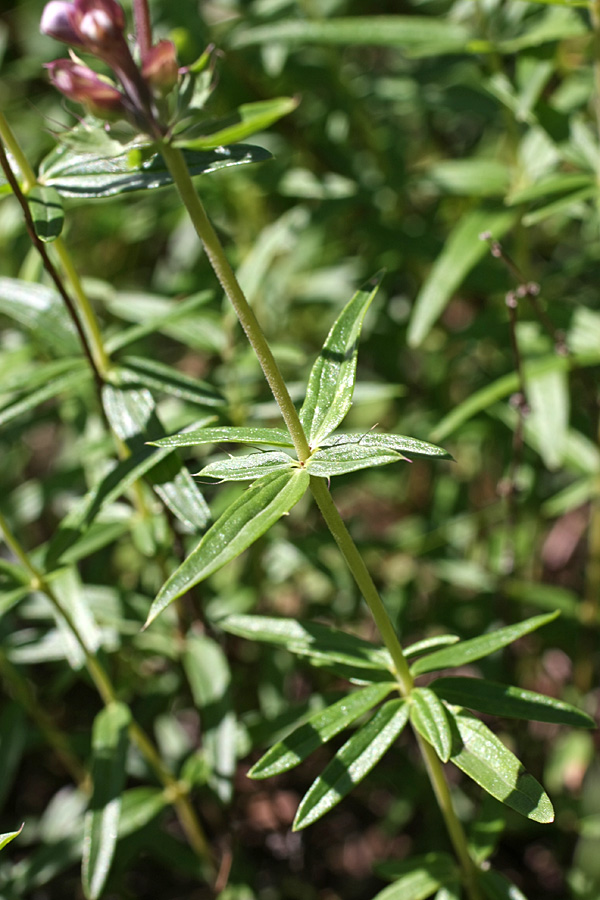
[428, 715]
[244, 468]
[331, 381]
[109, 754]
[418, 877]
[9, 836]
[484, 758]
[241, 524]
[352, 762]
[319, 729]
[247, 120]
[468, 651]
[274, 437]
[506, 700]
[310, 639]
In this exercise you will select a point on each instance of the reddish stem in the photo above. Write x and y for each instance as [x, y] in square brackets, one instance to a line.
[143, 26]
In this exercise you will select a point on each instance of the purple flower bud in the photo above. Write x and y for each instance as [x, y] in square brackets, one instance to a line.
[159, 67]
[57, 22]
[84, 86]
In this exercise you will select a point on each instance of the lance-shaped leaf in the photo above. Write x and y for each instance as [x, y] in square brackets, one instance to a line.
[309, 639]
[247, 120]
[241, 524]
[417, 878]
[9, 836]
[157, 376]
[319, 729]
[487, 829]
[132, 415]
[42, 312]
[247, 468]
[68, 382]
[109, 754]
[331, 382]
[400, 445]
[209, 675]
[352, 762]
[506, 700]
[432, 643]
[485, 759]
[428, 715]
[274, 437]
[46, 211]
[468, 651]
[87, 175]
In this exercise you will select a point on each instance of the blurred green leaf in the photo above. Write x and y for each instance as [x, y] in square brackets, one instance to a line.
[468, 651]
[331, 381]
[209, 676]
[427, 35]
[484, 758]
[416, 878]
[157, 376]
[429, 717]
[352, 762]
[432, 643]
[319, 729]
[47, 212]
[110, 741]
[464, 248]
[41, 311]
[261, 505]
[247, 120]
[487, 829]
[506, 700]
[495, 885]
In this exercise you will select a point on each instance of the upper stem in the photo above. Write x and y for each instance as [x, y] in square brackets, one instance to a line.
[177, 167]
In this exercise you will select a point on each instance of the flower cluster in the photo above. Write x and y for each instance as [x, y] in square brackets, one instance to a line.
[98, 27]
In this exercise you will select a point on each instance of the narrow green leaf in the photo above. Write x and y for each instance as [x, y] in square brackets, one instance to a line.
[42, 312]
[157, 376]
[47, 212]
[240, 525]
[13, 734]
[248, 119]
[471, 177]
[418, 877]
[110, 740]
[319, 729]
[495, 885]
[9, 836]
[340, 460]
[209, 676]
[432, 643]
[139, 806]
[61, 384]
[133, 417]
[244, 468]
[548, 396]
[468, 651]
[274, 437]
[463, 250]
[485, 759]
[565, 182]
[86, 175]
[352, 762]
[331, 381]
[513, 702]
[399, 444]
[428, 715]
[424, 33]
[309, 639]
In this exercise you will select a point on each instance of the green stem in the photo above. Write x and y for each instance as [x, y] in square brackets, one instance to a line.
[12, 145]
[363, 579]
[176, 791]
[181, 177]
[179, 172]
[453, 825]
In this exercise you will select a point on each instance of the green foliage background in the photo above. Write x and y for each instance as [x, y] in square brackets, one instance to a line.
[407, 143]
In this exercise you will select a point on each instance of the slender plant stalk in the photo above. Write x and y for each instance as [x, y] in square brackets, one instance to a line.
[177, 793]
[214, 250]
[88, 327]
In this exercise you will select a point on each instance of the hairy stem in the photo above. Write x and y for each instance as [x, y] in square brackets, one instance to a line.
[176, 792]
[214, 250]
